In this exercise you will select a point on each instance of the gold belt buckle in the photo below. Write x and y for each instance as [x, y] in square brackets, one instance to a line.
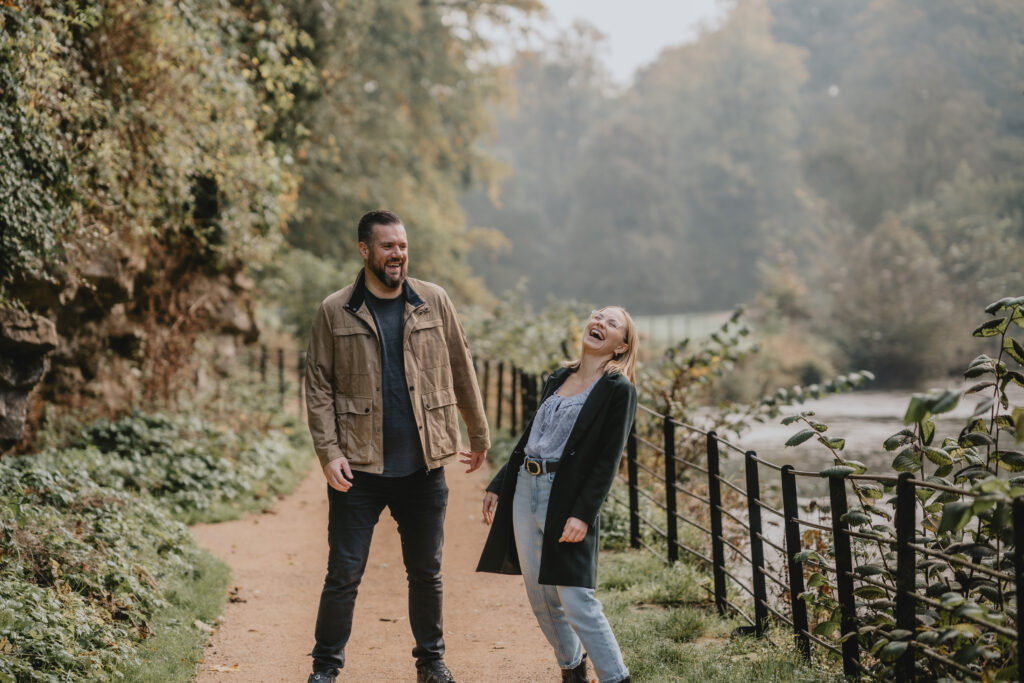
[533, 467]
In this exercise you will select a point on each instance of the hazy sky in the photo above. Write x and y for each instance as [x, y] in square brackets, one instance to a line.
[637, 30]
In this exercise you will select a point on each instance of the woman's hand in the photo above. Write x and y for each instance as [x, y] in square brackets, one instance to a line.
[490, 502]
[575, 531]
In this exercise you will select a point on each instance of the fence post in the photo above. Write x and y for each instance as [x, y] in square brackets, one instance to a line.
[263, 362]
[513, 378]
[634, 497]
[717, 546]
[670, 488]
[301, 371]
[1018, 571]
[844, 578]
[487, 382]
[791, 510]
[906, 523]
[280, 375]
[501, 378]
[756, 544]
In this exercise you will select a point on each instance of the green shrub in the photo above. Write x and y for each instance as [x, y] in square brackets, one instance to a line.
[195, 470]
[82, 571]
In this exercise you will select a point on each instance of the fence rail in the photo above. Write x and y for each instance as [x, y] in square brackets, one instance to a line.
[665, 486]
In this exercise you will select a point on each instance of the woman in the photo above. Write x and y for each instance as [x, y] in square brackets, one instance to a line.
[551, 491]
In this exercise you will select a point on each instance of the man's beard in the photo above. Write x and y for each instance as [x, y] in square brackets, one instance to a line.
[380, 271]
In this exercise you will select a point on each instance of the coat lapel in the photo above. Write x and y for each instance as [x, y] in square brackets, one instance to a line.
[590, 410]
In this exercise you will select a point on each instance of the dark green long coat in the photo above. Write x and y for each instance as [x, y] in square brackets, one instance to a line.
[584, 477]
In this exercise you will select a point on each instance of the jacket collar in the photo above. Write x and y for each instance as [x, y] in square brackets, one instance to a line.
[359, 293]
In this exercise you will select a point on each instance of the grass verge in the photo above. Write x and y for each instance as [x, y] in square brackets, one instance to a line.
[668, 629]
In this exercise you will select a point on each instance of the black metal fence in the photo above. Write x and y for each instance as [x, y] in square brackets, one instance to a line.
[663, 477]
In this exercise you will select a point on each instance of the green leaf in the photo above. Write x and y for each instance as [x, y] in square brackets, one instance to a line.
[1012, 460]
[790, 420]
[818, 426]
[983, 407]
[907, 461]
[834, 444]
[980, 386]
[816, 579]
[991, 328]
[856, 518]
[857, 464]
[869, 592]
[997, 306]
[869, 570]
[1013, 349]
[826, 628]
[938, 456]
[946, 402]
[977, 439]
[893, 651]
[954, 516]
[837, 471]
[800, 437]
[927, 431]
[897, 439]
[917, 410]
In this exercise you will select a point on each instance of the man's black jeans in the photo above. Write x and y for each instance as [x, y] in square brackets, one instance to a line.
[417, 502]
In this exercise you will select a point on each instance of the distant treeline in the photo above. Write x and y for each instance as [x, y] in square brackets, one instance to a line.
[858, 164]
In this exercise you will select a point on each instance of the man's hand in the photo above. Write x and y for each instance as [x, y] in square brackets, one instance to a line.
[575, 531]
[472, 458]
[338, 474]
[490, 502]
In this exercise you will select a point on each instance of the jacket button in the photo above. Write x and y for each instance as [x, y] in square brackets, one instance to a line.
[412, 388]
[367, 410]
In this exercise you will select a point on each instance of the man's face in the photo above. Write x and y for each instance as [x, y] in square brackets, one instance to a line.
[387, 255]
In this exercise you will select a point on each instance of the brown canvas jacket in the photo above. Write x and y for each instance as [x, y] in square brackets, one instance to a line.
[343, 378]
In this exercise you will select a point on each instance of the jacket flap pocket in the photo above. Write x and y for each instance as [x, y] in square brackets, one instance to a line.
[439, 398]
[353, 404]
[351, 329]
[428, 323]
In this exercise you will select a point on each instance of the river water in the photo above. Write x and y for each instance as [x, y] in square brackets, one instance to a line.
[864, 418]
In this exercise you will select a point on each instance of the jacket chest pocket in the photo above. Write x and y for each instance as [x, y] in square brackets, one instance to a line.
[355, 351]
[442, 422]
[428, 345]
[355, 427]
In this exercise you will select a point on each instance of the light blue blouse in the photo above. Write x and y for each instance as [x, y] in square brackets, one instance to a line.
[553, 423]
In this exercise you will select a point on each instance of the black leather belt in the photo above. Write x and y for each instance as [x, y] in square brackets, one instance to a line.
[538, 467]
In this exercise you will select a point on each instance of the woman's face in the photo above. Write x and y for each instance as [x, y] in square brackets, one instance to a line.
[605, 331]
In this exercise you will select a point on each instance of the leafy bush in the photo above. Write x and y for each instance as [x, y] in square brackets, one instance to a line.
[195, 470]
[957, 624]
[82, 572]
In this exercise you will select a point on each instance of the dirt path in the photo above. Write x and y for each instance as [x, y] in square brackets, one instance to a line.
[278, 561]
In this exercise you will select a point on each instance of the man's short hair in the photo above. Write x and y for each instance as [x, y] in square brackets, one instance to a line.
[381, 217]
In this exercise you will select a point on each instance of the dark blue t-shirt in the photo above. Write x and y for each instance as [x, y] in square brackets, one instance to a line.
[403, 453]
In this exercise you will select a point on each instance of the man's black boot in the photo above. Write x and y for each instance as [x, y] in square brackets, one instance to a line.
[577, 674]
[433, 671]
[323, 676]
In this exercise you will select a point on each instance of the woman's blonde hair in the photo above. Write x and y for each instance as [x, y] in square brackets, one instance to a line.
[622, 363]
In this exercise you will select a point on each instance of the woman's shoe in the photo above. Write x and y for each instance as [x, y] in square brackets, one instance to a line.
[577, 674]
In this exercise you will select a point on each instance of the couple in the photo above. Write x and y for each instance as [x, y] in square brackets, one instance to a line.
[388, 371]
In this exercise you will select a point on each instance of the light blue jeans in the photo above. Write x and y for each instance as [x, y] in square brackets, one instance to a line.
[570, 617]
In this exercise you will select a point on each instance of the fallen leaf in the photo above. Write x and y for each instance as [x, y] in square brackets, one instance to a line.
[221, 668]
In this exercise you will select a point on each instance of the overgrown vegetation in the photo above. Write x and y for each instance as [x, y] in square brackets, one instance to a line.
[100, 578]
[955, 631]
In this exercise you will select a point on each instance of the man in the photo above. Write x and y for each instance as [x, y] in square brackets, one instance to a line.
[387, 366]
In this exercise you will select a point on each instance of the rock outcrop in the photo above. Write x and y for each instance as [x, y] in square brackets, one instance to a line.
[25, 341]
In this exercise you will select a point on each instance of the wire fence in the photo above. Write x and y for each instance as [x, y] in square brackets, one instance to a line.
[738, 535]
